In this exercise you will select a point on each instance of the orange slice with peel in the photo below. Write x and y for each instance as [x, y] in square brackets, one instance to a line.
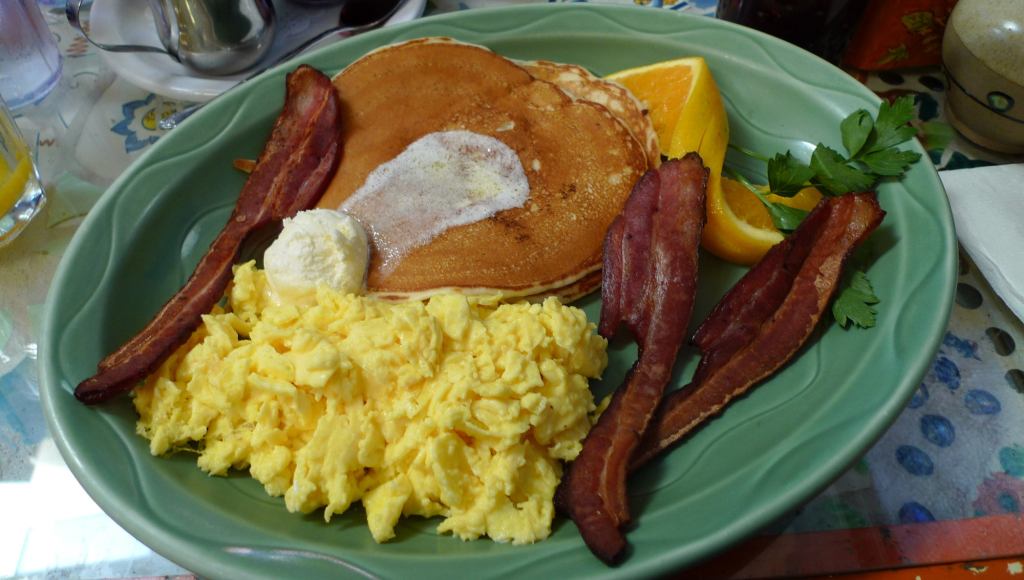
[685, 107]
[744, 230]
[687, 112]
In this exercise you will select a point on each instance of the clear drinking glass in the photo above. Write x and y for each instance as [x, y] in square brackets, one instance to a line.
[21, 193]
[29, 58]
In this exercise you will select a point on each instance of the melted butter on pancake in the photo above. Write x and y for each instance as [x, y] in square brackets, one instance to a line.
[440, 181]
[397, 94]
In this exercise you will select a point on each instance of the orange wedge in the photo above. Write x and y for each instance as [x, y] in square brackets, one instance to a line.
[685, 107]
[688, 114]
[745, 231]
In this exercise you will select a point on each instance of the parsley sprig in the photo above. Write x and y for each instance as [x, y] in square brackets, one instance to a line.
[871, 156]
[856, 302]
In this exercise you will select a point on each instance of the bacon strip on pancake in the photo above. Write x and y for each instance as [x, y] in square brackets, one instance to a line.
[291, 174]
[746, 338]
[650, 282]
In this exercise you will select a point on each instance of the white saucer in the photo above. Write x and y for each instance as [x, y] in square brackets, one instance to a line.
[131, 22]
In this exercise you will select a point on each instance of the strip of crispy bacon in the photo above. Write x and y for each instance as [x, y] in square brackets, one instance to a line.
[291, 174]
[747, 351]
[739, 314]
[651, 278]
[626, 258]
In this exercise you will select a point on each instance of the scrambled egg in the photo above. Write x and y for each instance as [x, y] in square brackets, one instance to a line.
[458, 407]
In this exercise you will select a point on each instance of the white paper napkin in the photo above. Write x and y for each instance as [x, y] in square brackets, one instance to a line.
[988, 209]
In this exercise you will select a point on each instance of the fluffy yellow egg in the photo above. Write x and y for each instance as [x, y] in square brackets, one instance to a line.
[458, 407]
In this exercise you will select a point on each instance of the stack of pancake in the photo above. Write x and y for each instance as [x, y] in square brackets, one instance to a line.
[582, 141]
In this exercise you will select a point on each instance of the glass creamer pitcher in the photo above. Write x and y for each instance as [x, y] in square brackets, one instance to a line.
[213, 37]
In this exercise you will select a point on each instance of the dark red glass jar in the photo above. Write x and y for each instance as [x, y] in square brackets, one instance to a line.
[821, 26]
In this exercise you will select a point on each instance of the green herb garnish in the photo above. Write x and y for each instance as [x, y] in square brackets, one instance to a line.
[871, 155]
[786, 175]
[784, 217]
[855, 303]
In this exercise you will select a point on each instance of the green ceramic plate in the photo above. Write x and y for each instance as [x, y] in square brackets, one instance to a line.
[769, 452]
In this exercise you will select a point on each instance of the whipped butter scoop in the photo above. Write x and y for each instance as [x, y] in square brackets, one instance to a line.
[318, 246]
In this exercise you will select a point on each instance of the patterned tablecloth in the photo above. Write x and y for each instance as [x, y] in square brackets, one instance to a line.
[944, 483]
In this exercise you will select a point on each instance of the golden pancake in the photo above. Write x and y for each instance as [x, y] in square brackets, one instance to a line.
[580, 162]
[581, 84]
[574, 291]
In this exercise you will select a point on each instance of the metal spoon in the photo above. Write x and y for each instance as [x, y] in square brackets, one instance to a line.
[356, 16]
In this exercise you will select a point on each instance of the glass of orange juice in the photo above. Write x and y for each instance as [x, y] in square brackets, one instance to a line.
[21, 193]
